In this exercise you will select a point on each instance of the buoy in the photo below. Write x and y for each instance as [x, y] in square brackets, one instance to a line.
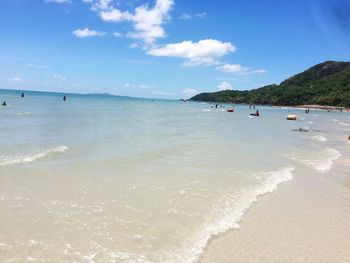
[292, 117]
[230, 110]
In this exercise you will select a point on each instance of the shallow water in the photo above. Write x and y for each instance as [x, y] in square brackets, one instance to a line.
[111, 179]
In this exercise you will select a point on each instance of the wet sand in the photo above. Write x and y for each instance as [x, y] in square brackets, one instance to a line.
[305, 220]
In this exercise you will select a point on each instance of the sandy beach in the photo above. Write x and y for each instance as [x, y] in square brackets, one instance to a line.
[305, 220]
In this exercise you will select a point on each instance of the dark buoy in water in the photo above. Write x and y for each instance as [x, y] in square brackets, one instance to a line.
[64, 98]
[4, 103]
[22, 95]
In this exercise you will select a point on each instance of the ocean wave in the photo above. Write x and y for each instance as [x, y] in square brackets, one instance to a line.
[6, 160]
[319, 138]
[233, 211]
[323, 163]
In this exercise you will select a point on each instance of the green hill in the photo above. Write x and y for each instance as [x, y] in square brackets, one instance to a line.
[327, 83]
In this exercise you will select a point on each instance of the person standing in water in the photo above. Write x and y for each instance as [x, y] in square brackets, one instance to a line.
[4, 103]
[64, 98]
[22, 95]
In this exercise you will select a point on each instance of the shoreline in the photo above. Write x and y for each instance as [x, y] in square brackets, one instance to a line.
[304, 220]
[322, 107]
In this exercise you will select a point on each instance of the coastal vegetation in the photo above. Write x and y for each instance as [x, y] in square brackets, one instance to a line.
[327, 83]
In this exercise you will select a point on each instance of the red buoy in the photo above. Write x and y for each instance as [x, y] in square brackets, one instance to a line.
[230, 110]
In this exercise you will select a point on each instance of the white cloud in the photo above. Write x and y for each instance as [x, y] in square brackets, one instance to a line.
[59, 1]
[134, 45]
[185, 16]
[114, 15]
[117, 34]
[58, 77]
[36, 66]
[16, 79]
[204, 52]
[147, 22]
[224, 86]
[238, 69]
[201, 15]
[188, 93]
[86, 32]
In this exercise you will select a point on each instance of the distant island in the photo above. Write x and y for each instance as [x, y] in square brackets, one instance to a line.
[325, 84]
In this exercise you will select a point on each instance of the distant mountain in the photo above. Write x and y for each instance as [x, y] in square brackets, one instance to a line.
[327, 83]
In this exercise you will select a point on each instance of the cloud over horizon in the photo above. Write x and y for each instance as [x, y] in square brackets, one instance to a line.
[239, 69]
[224, 86]
[205, 52]
[86, 32]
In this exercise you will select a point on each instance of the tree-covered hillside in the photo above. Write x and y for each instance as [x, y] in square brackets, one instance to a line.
[327, 83]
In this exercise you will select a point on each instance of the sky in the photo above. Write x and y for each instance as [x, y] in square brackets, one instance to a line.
[166, 48]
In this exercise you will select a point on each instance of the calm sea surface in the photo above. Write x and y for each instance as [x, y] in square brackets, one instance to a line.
[112, 179]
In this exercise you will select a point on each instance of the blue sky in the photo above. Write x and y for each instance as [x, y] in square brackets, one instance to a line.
[166, 48]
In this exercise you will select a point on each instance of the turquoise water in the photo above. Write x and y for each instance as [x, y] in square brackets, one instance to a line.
[115, 179]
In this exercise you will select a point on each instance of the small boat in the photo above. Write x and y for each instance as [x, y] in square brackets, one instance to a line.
[230, 110]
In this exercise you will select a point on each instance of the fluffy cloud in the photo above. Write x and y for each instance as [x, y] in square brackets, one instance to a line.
[204, 52]
[238, 69]
[147, 22]
[224, 86]
[86, 32]
[59, 1]
[188, 93]
[114, 15]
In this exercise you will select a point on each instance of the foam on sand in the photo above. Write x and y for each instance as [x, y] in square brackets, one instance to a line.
[319, 138]
[5, 160]
[231, 210]
[322, 161]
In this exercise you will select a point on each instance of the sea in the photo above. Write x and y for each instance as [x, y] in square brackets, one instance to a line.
[100, 178]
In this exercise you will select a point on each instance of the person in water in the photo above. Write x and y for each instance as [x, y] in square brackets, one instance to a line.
[255, 114]
[22, 95]
[64, 98]
[4, 103]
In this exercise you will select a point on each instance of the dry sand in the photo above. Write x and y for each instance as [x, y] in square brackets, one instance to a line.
[305, 220]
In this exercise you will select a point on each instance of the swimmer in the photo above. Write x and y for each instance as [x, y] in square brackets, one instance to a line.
[257, 114]
[64, 98]
[4, 103]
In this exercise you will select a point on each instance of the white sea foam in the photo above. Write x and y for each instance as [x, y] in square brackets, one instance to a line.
[232, 210]
[323, 160]
[319, 138]
[26, 113]
[344, 124]
[9, 160]
[206, 110]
